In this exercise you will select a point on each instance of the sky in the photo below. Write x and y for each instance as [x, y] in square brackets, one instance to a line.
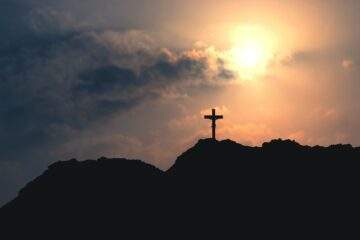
[130, 78]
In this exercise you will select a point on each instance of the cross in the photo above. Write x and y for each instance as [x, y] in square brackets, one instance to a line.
[213, 117]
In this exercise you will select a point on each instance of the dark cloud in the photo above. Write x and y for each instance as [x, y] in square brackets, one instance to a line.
[12, 21]
[106, 79]
[224, 73]
[74, 82]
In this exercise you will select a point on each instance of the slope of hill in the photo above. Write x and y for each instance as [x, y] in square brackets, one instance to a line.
[280, 183]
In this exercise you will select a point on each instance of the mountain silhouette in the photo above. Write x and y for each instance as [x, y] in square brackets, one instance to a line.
[215, 187]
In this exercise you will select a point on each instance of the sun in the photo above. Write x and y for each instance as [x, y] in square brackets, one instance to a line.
[249, 55]
[251, 50]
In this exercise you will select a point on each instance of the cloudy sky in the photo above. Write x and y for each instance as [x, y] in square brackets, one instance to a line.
[129, 78]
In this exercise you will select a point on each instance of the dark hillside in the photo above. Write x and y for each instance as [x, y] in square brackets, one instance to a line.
[216, 184]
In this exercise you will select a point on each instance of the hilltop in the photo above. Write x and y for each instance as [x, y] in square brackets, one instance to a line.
[212, 181]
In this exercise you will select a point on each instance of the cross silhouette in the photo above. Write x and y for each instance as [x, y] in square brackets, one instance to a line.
[213, 117]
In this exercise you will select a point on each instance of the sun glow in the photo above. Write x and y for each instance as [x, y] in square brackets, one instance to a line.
[249, 55]
[251, 51]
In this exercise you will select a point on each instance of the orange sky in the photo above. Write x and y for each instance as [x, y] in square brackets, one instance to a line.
[295, 75]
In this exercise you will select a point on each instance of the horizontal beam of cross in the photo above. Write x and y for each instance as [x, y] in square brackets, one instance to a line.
[211, 117]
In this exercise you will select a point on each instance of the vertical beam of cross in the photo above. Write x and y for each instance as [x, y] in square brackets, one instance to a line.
[213, 117]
